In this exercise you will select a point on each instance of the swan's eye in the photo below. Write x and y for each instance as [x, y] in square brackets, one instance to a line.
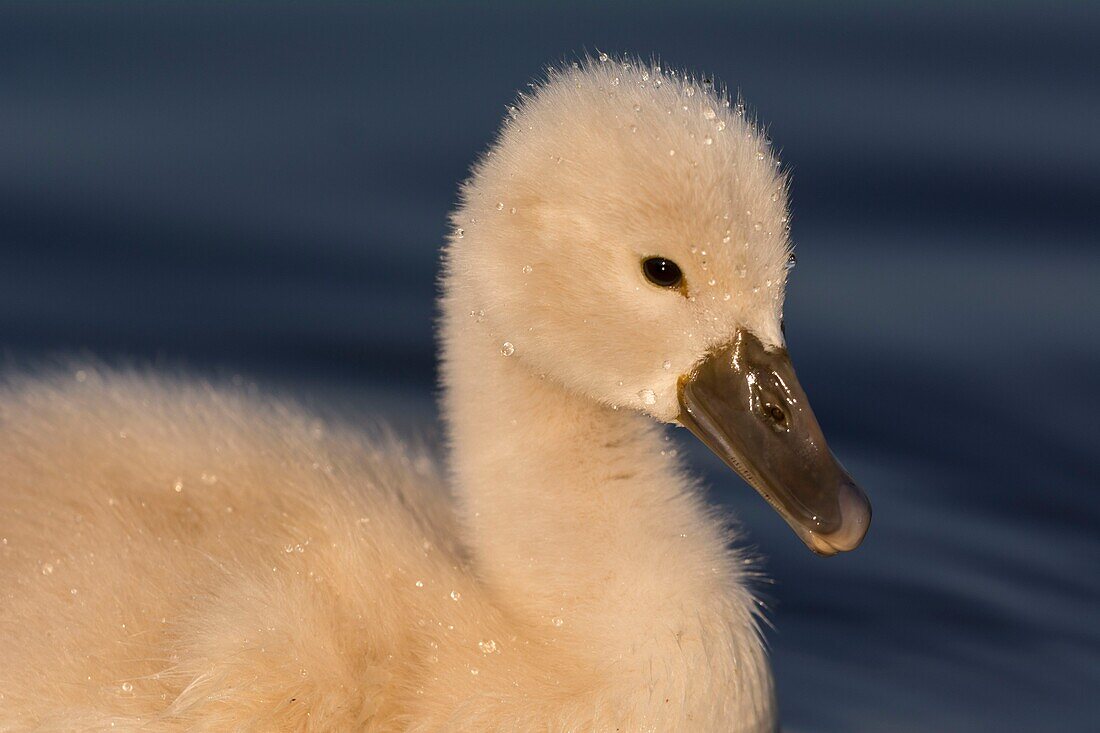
[662, 272]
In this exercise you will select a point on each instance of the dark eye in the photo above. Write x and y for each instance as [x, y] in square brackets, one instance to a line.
[660, 271]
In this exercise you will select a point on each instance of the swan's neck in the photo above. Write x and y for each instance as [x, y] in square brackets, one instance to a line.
[579, 517]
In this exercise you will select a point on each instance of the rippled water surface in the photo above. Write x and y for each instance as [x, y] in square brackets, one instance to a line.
[263, 190]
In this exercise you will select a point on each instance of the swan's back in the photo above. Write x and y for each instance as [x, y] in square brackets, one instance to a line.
[170, 547]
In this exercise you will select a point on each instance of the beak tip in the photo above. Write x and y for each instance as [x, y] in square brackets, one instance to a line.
[855, 514]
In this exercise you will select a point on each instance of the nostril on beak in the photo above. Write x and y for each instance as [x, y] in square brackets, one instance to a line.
[776, 415]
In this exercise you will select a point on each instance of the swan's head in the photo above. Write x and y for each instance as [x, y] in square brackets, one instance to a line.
[627, 237]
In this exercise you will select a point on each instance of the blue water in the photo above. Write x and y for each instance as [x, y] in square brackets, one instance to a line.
[262, 190]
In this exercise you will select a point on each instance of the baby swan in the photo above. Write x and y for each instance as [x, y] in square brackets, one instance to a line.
[180, 558]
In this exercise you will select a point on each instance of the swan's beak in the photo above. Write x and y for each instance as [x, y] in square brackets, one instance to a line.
[744, 402]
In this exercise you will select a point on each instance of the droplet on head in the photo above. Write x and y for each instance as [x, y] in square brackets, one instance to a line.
[604, 57]
[455, 595]
[648, 396]
[527, 269]
[666, 364]
[507, 348]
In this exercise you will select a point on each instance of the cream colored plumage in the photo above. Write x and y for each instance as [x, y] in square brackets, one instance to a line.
[180, 558]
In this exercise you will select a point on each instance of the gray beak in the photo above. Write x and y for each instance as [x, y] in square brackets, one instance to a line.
[744, 402]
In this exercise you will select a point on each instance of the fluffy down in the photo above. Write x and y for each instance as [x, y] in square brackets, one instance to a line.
[173, 557]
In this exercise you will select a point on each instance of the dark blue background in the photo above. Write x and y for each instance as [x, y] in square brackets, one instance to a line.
[262, 189]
